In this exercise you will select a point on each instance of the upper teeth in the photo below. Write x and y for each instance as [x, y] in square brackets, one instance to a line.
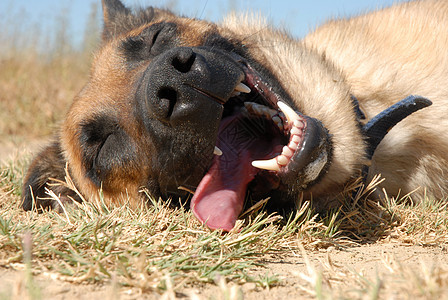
[265, 111]
[241, 87]
[217, 151]
[290, 114]
[260, 110]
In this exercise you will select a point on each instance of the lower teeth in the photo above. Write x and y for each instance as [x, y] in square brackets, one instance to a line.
[296, 123]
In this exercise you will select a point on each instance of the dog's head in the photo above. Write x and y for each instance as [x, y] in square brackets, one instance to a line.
[176, 104]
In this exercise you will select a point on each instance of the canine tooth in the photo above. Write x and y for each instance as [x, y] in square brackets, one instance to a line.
[217, 151]
[282, 160]
[241, 87]
[270, 164]
[234, 94]
[290, 114]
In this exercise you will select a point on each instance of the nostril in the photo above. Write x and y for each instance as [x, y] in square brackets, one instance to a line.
[168, 98]
[184, 61]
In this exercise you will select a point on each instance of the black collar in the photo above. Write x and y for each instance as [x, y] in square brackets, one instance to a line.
[376, 129]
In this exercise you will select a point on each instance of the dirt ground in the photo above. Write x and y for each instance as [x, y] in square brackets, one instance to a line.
[368, 260]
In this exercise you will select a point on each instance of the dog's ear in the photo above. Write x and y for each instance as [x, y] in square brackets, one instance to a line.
[113, 14]
[46, 168]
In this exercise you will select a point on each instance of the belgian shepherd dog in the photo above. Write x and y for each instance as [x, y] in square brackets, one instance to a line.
[175, 105]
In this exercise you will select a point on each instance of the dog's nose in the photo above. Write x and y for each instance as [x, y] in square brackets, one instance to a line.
[183, 60]
[182, 84]
[165, 86]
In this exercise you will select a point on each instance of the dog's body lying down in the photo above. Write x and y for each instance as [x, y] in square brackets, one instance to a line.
[177, 104]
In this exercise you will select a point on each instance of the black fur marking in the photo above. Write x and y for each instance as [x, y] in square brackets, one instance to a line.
[112, 8]
[119, 19]
[34, 188]
[359, 114]
[49, 163]
[216, 40]
[105, 147]
[151, 42]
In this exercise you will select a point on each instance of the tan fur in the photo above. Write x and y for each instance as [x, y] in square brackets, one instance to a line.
[381, 58]
[313, 84]
[108, 91]
[386, 56]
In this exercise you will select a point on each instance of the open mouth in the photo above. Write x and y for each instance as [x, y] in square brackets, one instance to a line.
[263, 145]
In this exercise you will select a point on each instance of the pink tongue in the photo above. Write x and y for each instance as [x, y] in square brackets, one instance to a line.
[219, 198]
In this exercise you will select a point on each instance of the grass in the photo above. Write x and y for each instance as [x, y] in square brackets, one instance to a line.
[143, 248]
[41, 72]
[164, 250]
[28, 84]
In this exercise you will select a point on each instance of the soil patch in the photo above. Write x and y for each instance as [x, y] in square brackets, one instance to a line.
[371, 262]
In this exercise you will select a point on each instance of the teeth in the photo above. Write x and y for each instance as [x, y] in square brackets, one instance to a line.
[287, 152]
[217, 151]
[278, 122]
[260, 110]
[270, 164]
[290, 114]
[293, 146]
[282, 160]
[297, 124]
[241, 87]
[295, 138]
[296, 131]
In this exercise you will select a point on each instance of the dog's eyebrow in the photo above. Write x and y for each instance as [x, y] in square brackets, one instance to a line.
[154, 38]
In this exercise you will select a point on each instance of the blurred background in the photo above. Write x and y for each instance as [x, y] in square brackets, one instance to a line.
[46, 47]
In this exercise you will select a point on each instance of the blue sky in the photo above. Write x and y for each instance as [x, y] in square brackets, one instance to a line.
[296, 15]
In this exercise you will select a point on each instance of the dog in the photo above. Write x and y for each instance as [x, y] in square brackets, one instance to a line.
[177, 105]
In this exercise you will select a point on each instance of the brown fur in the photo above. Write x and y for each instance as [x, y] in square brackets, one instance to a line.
[381, 58]
[109, 92]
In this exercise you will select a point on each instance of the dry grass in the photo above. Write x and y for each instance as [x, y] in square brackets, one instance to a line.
[163, 249]
[41, 72]
[151, 249]
[36, 92]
